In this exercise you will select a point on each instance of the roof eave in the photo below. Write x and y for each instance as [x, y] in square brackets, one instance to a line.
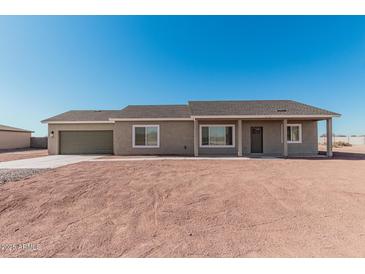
[112, 120]
[77, 122]
[315, 116]
[23, 131]
[152, 119]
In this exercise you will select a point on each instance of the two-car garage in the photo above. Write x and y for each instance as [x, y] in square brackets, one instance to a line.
[81, 132]
[86, 142]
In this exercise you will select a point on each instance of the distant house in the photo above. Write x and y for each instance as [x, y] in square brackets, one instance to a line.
[12, 137]
[230, 128]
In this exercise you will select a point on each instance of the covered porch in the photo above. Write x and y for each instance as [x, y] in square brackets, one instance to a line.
[290, 136]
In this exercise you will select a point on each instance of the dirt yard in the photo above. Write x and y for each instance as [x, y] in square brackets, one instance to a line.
[187, 208]
[358, 149]
[22, 154]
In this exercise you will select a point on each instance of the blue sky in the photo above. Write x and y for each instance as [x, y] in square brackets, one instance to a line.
[49, 65]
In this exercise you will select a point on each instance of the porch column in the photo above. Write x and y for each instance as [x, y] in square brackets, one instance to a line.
[285, 138]
[329, 137]
[239, 136]
[196, 138]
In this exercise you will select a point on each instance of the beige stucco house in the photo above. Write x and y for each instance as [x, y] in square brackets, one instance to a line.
[231, 128]
[13, 138]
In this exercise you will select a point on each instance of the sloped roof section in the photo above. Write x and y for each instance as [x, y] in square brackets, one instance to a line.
[268, 108]
[255, 108]
[153, 112]
[83, 116]
[15, 129]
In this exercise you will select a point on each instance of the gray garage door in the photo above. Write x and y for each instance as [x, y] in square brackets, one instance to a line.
[86, 142]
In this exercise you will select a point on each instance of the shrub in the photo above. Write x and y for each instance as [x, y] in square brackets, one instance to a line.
[341, 144]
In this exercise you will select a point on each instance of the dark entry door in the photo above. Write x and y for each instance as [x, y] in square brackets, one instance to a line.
[256, 140]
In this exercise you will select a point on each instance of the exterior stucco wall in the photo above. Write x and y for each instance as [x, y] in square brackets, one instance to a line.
[176, 138]
[14, 139]
[272, 138]
[219, 150]
[53, 142]
[272, 144]
[309, 145]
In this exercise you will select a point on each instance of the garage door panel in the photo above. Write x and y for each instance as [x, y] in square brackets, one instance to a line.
[86, 142]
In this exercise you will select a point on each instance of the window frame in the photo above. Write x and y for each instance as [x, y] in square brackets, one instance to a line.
[300, 133]
[145, 146]
[216, 125]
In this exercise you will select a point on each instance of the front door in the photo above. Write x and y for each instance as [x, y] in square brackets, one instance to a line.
[256, 140]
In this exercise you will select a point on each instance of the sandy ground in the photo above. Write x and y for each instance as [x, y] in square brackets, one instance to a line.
[350, 149]
[254, 208]
[353, 152]
[22, 154]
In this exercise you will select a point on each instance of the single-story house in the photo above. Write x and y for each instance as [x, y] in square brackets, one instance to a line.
[13, 138]
[235, 128]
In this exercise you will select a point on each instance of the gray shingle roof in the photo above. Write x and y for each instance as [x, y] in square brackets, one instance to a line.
[195, 108]
[154, 111]
[7, 128]
[258, 107]
[83, 115]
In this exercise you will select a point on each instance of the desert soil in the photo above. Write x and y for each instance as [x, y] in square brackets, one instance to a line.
[187, 208]
[350, 149]
[22, 154]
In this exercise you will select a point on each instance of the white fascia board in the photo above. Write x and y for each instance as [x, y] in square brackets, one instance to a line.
[262, 116]
[78, 122]
[112, 120]
[151, 119]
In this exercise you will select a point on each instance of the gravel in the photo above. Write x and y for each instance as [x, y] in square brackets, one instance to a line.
[12, 175]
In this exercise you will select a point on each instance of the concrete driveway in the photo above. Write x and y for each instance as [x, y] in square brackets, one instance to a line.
[52, 161]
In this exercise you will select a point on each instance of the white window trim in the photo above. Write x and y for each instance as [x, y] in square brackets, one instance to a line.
[140, 146]
[300, 133]
[217, 125]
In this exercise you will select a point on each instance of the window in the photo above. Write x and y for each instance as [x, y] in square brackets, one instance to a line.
[146, 136]
[294, 133]
[217, 135]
